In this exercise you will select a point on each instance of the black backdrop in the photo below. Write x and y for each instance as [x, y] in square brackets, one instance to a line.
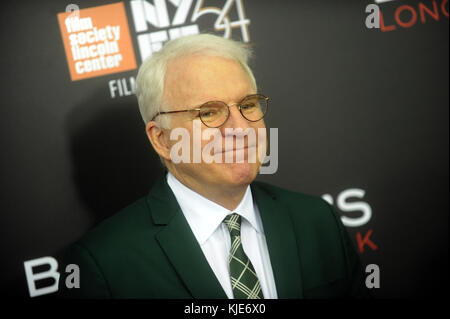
[355, 108]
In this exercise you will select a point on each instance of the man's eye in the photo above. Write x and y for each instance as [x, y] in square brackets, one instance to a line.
[248, 106]
[209, 113]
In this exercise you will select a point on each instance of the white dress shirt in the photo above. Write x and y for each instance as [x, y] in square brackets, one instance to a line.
[206, 221]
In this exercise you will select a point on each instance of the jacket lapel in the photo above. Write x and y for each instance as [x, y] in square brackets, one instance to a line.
[180, 244]
[281, 243]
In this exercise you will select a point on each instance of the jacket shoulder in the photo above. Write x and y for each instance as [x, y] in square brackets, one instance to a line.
[310, 214]
[120, 226]
[296, 201]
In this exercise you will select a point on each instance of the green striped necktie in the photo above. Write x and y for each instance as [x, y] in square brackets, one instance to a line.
[244, 281]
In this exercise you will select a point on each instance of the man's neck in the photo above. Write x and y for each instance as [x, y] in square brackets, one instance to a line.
[228, 197]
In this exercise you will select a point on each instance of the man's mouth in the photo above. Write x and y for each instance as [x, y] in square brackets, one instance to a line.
[234, 149]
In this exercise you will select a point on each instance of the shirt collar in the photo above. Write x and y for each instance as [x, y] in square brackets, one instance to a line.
[203, 215]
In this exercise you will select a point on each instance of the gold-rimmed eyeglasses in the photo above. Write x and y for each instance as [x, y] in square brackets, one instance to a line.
[215, 113]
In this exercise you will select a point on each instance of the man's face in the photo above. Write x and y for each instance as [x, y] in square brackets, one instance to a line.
[190, 82]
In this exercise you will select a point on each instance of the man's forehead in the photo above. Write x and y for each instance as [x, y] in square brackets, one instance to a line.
[193, 61]
[201, 70]
[198, 79]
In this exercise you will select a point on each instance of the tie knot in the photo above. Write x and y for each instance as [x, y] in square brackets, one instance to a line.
[233, 223]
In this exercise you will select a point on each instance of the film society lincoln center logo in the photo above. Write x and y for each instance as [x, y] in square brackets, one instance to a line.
[97, 41]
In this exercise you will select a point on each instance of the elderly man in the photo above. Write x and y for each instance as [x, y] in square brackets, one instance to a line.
[207, 230]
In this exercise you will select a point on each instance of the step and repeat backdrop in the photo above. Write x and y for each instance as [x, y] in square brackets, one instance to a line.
[359, 99]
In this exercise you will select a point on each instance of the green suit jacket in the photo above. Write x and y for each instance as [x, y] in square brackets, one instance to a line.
[148, 250]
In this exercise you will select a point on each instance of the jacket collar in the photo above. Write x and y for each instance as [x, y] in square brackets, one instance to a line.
[180, 245]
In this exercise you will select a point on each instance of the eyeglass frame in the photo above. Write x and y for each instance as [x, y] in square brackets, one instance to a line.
[238, 104]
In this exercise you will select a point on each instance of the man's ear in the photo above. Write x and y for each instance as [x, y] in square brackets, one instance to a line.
[158, 140]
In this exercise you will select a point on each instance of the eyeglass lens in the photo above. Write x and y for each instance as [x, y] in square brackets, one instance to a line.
[214, 114]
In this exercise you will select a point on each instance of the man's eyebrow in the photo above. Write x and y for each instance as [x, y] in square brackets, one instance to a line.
[194, 106]
[242, 97]
[248, 94]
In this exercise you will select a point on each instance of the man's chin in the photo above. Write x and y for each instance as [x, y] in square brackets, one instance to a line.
[241, 173]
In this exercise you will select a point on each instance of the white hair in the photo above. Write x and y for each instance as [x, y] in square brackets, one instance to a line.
[151, 75]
